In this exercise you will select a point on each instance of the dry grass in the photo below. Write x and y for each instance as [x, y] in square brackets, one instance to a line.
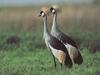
[84, 18]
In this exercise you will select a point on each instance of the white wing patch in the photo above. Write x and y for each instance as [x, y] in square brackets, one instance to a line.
[59, 54]
[73, 52]
[54, 51]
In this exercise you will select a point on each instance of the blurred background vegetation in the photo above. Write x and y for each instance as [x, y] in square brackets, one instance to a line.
[22, 50]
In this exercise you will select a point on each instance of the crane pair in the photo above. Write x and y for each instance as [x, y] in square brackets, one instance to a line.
[60, 45]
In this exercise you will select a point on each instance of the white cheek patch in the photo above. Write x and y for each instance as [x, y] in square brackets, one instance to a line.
[43, 14]
[53, 11]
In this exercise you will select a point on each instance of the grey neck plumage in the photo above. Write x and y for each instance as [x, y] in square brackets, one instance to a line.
[55, 27]
[46, 32]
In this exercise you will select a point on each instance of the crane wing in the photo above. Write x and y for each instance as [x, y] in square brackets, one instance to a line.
[60, 52]
[67, 40]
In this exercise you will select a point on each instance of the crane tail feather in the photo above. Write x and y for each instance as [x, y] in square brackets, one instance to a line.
[68, 62]
[78, 60]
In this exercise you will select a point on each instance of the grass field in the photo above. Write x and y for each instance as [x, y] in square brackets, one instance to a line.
[29, 55]
[39, 62]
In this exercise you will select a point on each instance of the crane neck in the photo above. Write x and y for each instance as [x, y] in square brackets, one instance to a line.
[54, 25]
[46, 32]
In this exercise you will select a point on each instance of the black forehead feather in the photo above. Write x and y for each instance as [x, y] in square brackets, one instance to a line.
[51, 8]
[41, 12]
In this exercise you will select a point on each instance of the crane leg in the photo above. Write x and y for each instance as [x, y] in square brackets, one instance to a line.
[53, 57]
[54, 60]
[61, 65]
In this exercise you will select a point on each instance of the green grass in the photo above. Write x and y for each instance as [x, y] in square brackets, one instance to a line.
[30, 59]
[31, 56]
[40, 62]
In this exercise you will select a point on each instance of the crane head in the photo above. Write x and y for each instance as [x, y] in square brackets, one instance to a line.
[54, 9]
[44, 12]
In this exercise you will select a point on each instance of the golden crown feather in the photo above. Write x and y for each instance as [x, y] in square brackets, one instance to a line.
[57, 8]
[45, 10]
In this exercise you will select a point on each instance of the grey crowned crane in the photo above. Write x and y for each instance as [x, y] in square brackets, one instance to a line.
[57, 49]
[69, 43]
